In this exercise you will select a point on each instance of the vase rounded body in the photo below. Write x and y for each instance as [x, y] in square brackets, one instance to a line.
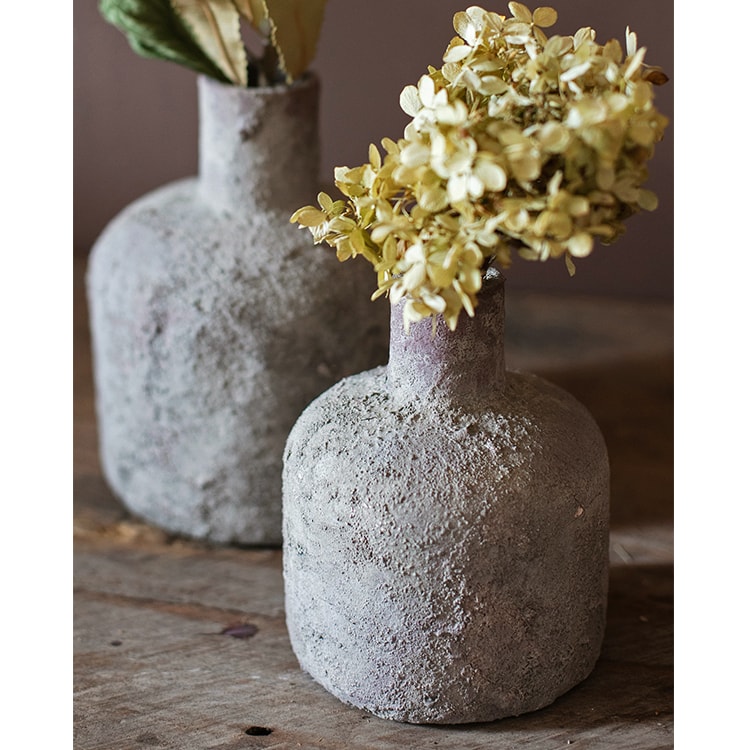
[214, 322]
[446, 531]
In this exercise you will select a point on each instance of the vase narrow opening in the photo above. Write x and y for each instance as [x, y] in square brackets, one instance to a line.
[258, 147]
[431, 361]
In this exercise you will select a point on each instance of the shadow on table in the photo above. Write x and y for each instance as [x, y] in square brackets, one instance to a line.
[633, 681]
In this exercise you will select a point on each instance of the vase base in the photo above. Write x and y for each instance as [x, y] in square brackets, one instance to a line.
[407, 712]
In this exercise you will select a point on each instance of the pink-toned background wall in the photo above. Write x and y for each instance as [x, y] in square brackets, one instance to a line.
[135, 120]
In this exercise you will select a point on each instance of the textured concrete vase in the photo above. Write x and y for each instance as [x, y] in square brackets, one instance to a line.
[215, 322]
[446, 531]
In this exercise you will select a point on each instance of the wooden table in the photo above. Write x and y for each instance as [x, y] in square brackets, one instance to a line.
[152, 669]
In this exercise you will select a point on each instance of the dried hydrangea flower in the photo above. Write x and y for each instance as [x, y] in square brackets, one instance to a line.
[521, 143]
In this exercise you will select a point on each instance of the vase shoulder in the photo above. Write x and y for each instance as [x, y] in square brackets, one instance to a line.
[532, 441]
[176, 218]
[529, 410]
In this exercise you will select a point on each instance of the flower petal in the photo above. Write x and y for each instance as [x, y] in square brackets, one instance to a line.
[544, 17]
[409, 101]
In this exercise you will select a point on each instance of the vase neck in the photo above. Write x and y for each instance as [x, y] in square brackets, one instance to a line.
[464, 365]
[259, 148]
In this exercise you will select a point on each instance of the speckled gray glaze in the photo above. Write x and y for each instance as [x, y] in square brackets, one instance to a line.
[446, 531]
[215, 322]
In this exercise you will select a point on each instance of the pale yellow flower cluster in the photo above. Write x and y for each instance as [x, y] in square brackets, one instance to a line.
[519, 142]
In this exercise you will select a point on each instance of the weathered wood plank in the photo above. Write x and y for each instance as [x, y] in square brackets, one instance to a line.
[151, 663]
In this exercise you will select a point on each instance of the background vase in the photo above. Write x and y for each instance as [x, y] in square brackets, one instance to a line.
[214, 321]
[446, 531]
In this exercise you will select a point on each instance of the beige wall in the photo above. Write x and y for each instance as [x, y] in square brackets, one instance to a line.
[135, 124]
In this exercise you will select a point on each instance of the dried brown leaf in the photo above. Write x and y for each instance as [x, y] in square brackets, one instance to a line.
[295, 28]
[656, 76]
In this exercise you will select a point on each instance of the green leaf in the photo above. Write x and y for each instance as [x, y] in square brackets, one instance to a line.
[215, 24]
[153, 29]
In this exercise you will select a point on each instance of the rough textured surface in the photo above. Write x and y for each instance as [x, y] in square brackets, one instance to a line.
[170, 685]
[215, 322]
[445, 538]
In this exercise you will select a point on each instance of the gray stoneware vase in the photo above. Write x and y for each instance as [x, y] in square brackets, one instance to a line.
[215, 321]
[446, 531]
